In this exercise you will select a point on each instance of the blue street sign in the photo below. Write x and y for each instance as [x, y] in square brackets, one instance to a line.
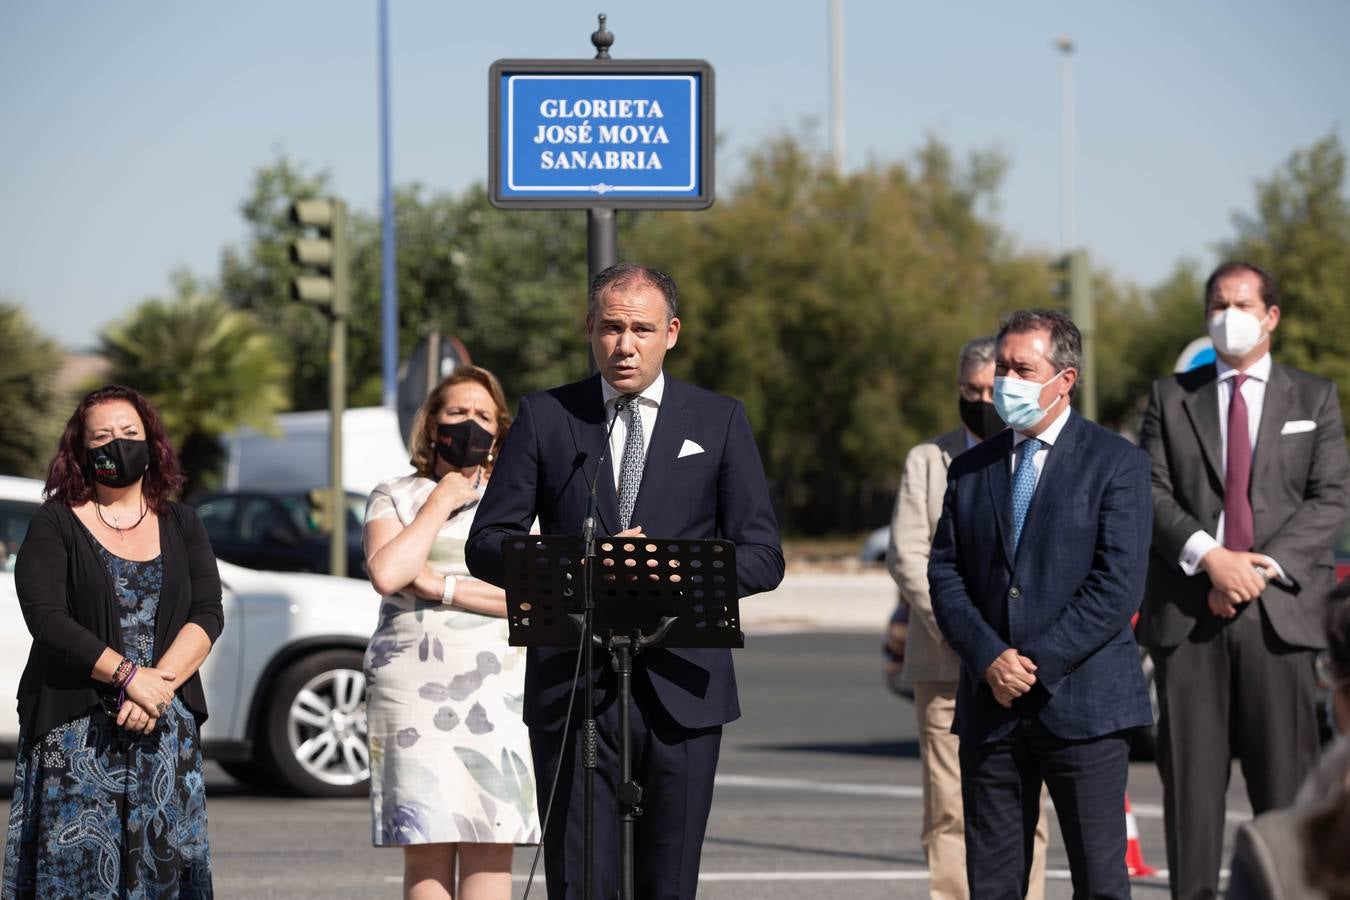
[595, 134]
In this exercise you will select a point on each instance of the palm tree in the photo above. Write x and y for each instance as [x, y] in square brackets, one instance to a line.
[28, 395]
[208, 368]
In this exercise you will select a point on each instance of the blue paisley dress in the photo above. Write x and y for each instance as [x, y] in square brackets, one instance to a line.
[99, 812]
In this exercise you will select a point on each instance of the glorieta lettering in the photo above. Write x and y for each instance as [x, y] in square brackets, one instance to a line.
[555, 108]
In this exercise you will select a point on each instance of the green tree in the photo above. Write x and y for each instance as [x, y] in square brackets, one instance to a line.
[1139, 336]
[1301, 232]
[834, 307]
[29, 398]
[208, 368]
[509, 285]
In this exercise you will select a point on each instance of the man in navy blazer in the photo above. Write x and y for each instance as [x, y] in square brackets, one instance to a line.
[1036, 570]
[700, 477]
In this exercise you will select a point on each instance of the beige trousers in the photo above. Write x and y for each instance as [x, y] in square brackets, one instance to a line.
[944, 835]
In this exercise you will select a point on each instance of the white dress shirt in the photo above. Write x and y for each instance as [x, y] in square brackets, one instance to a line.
[648, 405]
[1254, 392]
[1047, 439]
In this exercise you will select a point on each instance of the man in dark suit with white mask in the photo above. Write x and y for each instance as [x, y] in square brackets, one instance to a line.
[1251, 484]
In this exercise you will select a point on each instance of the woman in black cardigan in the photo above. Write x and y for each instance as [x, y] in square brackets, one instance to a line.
[120, 591]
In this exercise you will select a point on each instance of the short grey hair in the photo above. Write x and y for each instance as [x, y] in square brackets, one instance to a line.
[1066, 342]
[976, 354]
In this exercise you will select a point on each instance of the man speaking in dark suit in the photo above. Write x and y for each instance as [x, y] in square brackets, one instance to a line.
[681, 463]
[1036, 570]
[1250, 479]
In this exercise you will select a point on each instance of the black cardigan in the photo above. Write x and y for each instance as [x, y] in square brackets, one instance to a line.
[68, 602]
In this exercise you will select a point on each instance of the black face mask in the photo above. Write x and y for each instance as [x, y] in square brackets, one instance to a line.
[981, 418]
[463, 444]
[119, 463]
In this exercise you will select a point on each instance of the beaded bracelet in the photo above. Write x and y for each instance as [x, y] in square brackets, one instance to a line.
[120, 674]
[122, 688]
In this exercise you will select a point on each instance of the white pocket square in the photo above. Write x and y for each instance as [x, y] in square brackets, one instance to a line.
[689, 449]
[1298, 426]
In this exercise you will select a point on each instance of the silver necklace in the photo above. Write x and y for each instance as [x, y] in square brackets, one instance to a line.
[117, 520]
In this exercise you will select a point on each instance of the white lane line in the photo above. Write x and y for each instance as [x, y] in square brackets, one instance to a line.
[903, 791]
[821, 787]
[884, 875]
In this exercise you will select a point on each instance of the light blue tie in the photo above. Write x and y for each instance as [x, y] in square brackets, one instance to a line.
[1024, 485]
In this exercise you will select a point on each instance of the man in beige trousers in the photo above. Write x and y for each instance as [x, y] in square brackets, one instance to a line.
[931, 666]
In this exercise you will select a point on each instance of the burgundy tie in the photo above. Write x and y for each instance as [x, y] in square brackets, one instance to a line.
[1237, 504]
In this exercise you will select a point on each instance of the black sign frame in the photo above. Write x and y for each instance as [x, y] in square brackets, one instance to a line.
[707, 131]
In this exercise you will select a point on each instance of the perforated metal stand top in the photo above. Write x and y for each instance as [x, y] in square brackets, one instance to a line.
[639, 585]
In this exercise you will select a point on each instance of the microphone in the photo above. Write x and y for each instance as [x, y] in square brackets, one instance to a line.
[588, 524]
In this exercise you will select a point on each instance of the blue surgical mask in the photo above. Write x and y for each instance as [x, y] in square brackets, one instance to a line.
[1019, 402]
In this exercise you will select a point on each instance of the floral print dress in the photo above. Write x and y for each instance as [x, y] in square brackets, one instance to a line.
[449, 755]
[101, 812]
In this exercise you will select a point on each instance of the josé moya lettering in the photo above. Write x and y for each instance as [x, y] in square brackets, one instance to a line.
[596, 159]
[556, 108]
[586, 133]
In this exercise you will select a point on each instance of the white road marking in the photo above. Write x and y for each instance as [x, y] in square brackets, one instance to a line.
[903, 791]
[1160, 877]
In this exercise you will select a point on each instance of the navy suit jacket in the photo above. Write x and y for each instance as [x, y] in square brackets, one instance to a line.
[1065, 599]
[546, 467]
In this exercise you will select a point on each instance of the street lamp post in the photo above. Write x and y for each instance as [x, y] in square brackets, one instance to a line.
[1067, 239]
[1077, 271]
[837, 85]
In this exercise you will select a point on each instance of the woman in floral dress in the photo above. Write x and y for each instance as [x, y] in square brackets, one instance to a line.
[451, 777]
[119, 588]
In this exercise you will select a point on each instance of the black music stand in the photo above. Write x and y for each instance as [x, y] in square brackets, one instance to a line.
[641, 592]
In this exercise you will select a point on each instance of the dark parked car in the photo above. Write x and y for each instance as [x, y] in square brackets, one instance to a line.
[278, 532]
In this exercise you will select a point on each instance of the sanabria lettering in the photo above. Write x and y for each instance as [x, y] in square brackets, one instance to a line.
[594, 159]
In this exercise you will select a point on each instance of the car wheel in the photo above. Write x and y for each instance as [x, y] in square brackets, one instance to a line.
[316, 726]
[1144, 741]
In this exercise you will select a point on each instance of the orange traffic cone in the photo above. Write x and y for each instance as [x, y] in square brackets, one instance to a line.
[1134, 854]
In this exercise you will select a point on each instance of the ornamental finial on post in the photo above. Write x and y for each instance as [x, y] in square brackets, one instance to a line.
[602, 39]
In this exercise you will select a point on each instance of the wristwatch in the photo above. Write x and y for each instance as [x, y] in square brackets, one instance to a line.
[448, 592]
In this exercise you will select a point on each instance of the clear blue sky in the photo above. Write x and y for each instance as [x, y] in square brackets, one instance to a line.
[131, 130]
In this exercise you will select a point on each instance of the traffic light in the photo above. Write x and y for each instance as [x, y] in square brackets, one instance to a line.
[1061, 277]
[1071, 284]
[323, 253]
[320, 514]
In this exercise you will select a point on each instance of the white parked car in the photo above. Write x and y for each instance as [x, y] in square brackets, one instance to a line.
[284, 683]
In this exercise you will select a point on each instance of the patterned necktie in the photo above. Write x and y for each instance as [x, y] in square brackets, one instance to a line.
[1024, 485]
[1238, 533]
[630, 471]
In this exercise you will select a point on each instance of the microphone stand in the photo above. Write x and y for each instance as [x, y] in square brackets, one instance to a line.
[589, 732]
[589, 738]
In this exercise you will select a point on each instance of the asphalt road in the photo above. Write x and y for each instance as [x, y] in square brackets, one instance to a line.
[818, 796]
